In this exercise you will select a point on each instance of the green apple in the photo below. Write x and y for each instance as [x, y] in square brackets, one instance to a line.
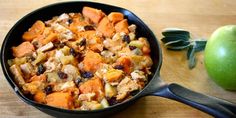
[220, 57]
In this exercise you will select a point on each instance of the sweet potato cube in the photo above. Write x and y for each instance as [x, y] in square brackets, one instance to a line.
[127, 63]
[93, 85]
[106, 27]
[40, 97]
[60, 99]
[113, 75]
[92, 61]
[115, 17]
[93, 14]
[23, 49]
[36, 29]
[122, 26]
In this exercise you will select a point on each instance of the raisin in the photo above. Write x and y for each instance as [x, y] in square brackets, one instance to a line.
[87, 74]
[48, 89]
[82, 42]
[62, 75]
[112, 101]
[72, 52]
[119, 67]
[41, 69]
[70, 21]
[88, 27]
[59, 44]
[126, 38]
[132, 47]
[77, 81]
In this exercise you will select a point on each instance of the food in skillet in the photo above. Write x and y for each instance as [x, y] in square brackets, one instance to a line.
[81, 61]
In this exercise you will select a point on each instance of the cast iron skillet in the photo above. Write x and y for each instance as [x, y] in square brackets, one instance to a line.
[156, 87]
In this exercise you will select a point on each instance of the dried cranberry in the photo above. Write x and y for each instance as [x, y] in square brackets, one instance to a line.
[119, 67]
[72, 52]
[87, 74]
[62, 75]
[88, 27]
[70, 21]
[82, 42]
[126, 38]
[41, 69]
[112, 101]
[132, 47]
[48, 89]
[77, 81]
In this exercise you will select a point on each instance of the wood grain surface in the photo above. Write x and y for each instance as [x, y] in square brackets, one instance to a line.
[201, 17]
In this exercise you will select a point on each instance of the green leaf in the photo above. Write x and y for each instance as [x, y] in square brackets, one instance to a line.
[174, 38]
[177, 47]
[200, 45]
[177, 43]
[191, 56]
[175, 31]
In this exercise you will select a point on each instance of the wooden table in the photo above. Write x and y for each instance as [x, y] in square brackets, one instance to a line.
[201, 17]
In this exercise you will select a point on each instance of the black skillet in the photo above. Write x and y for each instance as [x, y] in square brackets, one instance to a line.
[156, 87]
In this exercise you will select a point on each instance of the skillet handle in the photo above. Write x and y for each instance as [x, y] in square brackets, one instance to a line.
[211, 105]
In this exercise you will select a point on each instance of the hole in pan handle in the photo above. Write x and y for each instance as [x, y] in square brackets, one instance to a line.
[214, 106]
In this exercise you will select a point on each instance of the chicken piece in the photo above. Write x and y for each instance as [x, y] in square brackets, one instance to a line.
[27, 69]
[125, 86]
[46, 47]
[25, 48]
[64, 33]
[52, 64]
[60, 99]
[138, 75]
[132, 28]
[93, 85]
[18, 76]
[66, 86]
[86, 97]
[71, 71]
[93, 105]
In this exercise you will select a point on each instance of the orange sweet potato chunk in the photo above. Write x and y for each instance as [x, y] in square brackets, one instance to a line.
[60, 99]
[92, 61]
[93, 14]
[23, 49]
[50, 38]
[122, 26]
[106, 27]
[36, 29]
[40, 97]
[41, 77]
[115, 17]
[87, 34]
[127, 63]
[93, 85]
